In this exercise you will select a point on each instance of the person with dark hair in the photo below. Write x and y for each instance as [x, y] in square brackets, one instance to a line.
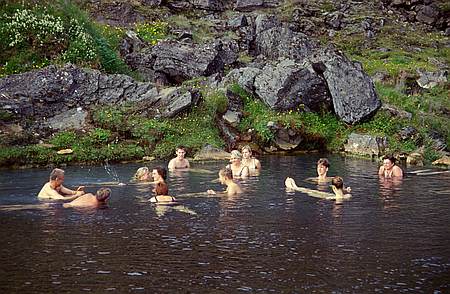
[161, 189]
[389, 169]
[337, 184]
[54, 189]
[90, 200]
[226, 178]
[322, 169]
[179, 162]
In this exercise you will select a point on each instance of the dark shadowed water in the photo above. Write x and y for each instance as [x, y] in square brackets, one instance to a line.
[389, 237]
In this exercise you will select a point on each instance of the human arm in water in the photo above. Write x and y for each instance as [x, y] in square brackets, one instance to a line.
[291, 185]
[47, 192]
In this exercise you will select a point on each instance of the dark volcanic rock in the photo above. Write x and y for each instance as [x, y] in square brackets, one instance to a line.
[288, 85]
[48, 92]
[249, 5]
[210, 5]
[180, 62]
[352, 90]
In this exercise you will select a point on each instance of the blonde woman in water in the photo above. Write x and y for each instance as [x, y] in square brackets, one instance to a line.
[253, 164]
[142, 174]
[236, 166]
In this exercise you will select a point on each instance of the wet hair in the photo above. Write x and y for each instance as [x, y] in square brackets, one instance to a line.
[248, 148]
[56, 173]
[103, 194]
[236, 154]
[338, 182]
[140, 172]
[391, 158]
[324, 162]
[181, 147]
[226, 173]
[161, 171]
[161, 189]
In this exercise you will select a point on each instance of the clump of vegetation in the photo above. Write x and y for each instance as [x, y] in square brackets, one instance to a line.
[152, 32]
[34, 36]
[322, 128]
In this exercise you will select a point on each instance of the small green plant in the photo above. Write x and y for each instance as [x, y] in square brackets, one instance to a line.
[152, 32]
[216, 102]
[65, 139]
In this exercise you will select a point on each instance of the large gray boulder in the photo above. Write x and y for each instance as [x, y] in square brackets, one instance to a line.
[352, 90]
[47, 93]
[180, 62]
[288, 86]
[365, 145]
[249, 5]
[244, 77]
[210, 5]
[168, 102]
[52, 90]
[274, 40]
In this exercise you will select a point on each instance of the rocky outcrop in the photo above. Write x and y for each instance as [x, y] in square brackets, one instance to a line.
[52, 90]
[249, 5]
[60, 97]
[285, 138]
[290, 86]
[209, 152]
[428, 80]
[365, 145]
[352, 90]
[172, 62]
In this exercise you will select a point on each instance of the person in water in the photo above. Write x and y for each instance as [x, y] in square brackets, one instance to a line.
[251, 162]
[179, 162]
[54, 189]
[161, 189]
[142, 174]
[322, 169]
[337, 186]
[90, 200]
[389, 169]
[226, 178]
[239, 170]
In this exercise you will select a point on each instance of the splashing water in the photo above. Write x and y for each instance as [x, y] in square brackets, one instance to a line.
[112, 173]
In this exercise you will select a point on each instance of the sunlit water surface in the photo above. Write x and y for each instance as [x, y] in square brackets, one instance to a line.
[389, 237]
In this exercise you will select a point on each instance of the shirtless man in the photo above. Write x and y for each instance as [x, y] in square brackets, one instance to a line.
[179, 162]
[337, 184]
[389, 169]
[89, 200]
[55, 190]
[226, 178]
[322, 169]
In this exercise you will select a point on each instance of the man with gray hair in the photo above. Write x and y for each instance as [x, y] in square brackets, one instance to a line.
[55, 190]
